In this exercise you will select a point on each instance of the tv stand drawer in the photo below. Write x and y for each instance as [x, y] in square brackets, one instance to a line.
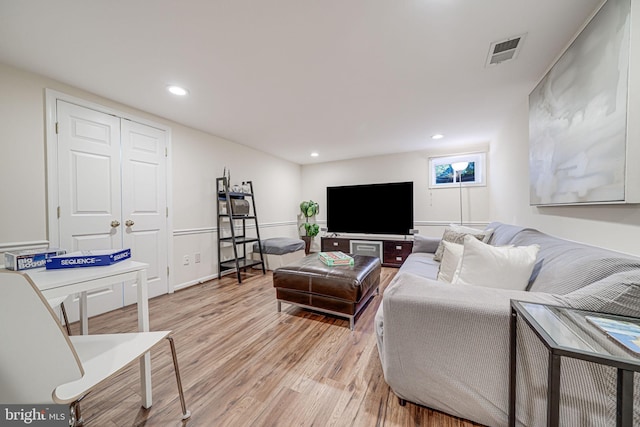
[330, 244]
[396, 252]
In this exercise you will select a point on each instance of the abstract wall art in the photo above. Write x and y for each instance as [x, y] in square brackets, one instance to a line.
[578, 116]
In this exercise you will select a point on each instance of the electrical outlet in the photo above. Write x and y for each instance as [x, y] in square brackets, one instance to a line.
[197, 257]
[185, 260]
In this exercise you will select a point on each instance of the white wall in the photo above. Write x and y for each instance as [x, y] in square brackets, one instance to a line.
[612, 226]
[615, 227]
[22, 162]
[433, 208]
[198, 158]
[506, 197]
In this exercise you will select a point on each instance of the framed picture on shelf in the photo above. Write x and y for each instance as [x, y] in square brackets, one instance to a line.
[442, 173]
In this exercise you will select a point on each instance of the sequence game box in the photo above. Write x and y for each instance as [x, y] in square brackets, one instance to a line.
[93, 258]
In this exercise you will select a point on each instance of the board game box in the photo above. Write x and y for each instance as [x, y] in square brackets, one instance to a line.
[31, 258]
[93, 258]
[335, 258]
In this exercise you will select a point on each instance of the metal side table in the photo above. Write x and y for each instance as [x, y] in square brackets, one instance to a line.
[561, 330]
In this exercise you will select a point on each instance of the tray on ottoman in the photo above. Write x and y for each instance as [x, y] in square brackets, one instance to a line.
[340, 290]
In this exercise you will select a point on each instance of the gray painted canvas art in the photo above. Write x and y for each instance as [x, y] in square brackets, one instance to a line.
[578, 116]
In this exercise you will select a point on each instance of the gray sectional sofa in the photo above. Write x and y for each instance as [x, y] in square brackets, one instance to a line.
[446, 346]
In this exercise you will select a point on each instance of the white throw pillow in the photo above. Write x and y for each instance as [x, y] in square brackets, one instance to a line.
[450, 260]
[503, 267]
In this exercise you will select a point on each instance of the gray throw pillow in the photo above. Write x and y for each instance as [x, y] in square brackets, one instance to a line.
[454, 237]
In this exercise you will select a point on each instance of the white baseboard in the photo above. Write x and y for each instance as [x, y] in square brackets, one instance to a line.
[200, 280]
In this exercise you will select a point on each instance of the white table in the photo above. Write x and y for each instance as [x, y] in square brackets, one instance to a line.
[63, 282]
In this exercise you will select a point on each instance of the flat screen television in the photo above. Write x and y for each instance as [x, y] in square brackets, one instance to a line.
[371, 209]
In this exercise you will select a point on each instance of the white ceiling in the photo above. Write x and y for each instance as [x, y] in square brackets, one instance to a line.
[346, 78]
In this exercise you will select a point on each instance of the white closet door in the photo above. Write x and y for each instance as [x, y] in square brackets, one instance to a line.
[112, 194]
[89, 181]
[144, 203]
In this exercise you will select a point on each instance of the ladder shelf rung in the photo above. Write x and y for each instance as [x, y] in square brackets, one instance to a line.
[239, 239]
[242, 263]
[239, 217]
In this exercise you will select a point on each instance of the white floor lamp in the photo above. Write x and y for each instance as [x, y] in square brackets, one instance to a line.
[459, 167]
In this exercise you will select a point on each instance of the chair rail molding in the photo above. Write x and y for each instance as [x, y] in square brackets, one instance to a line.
[15, 246]
[211, 230]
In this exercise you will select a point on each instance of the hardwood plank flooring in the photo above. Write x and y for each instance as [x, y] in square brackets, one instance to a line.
[244, 364]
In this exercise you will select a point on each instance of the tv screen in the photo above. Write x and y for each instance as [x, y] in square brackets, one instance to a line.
[370, 209]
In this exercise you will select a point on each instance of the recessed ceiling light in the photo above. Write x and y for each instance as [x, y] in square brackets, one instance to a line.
[315, 154]
[437, 136]
[177, 90]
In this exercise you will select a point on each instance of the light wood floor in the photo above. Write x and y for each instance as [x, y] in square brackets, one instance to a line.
[244, 364]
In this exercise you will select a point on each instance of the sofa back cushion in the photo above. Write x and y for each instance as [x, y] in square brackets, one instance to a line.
[616, 294]
[567, 266]
[425, 244]
[503, 234]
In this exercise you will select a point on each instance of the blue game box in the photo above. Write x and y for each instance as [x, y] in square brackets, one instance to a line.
[30, 258]
[88, 258]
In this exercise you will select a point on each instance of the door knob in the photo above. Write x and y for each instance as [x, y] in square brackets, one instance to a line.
[115, 223]
[129, 223]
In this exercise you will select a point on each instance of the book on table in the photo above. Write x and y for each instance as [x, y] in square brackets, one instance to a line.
[624, 332]
[335, 258]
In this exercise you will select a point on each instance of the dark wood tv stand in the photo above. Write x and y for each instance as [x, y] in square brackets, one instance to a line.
[394, 251]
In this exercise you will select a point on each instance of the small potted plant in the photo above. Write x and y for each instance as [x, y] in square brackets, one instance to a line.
[311, 230]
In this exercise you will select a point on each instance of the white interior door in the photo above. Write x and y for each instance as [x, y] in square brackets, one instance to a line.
[144, 203]
[89, 181]
[112, 193]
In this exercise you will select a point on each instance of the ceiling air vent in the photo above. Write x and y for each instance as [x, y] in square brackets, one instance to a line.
[504, 50]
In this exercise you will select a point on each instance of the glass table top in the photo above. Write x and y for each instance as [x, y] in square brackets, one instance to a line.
[600, 337]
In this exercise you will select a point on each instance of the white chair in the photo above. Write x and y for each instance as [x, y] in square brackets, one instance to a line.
[40, 364]
[58, 302]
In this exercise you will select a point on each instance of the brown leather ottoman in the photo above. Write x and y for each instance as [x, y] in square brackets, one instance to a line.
[340, 290]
